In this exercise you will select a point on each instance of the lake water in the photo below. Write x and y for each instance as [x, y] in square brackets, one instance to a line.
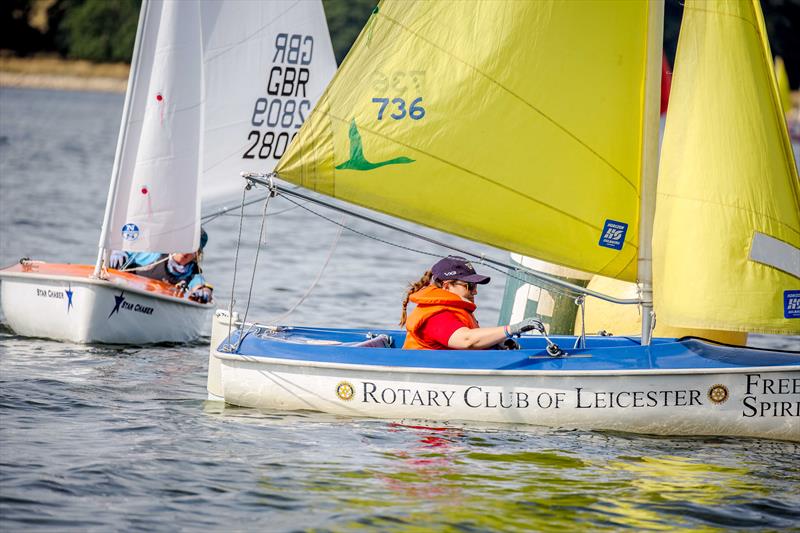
[99, 438]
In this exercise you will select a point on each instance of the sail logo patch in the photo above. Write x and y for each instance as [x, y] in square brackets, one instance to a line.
[358, 161]
[130, 232]
[613, 235]
[791, 304]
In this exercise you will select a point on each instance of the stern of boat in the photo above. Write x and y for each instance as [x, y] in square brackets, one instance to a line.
[65, 302]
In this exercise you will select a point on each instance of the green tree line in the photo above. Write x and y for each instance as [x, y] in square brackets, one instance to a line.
[104, 30]
[97, 30]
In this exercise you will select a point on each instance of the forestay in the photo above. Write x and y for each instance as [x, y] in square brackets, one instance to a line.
[727, 229]
[219, 87]
[520, 127]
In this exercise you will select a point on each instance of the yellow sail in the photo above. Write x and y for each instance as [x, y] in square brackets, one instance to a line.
[518, 124]
[783, 84]
[727, 226]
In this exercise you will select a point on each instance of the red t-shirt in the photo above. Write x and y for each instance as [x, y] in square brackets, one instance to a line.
[440, 327]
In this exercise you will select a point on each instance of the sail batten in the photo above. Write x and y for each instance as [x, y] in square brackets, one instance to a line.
[528, 139]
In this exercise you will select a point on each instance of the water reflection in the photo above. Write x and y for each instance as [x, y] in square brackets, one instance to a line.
[375, 474]
[428, 466]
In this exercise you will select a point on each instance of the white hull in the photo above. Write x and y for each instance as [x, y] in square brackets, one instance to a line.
[640, 403]
[85, 310]
[739, 402]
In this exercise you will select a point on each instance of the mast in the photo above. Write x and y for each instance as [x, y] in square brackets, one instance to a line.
[123, 132]
[650, 127]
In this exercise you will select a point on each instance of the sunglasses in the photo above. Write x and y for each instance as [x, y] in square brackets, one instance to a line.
[471, 286]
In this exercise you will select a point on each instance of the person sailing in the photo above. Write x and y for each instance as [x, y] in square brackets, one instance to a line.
[181, 269]
[443, 318]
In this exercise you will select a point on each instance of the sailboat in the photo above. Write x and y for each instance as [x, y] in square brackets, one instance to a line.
[540, 121]
[215, 87]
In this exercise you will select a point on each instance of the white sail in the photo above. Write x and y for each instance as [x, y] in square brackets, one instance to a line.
[265, 65]
[156, 207]
[219, 87]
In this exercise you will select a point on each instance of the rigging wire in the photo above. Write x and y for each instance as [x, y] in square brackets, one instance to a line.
[507, 272]
[543, 278]
[520, 274]
[261, 241]
[228, 347]
[256, 215]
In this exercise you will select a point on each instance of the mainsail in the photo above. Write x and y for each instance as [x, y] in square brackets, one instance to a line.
[521, 127]
[727, 228]
[218, 87]
[155, 205]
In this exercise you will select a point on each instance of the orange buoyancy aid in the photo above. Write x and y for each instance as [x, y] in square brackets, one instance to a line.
[431, 300]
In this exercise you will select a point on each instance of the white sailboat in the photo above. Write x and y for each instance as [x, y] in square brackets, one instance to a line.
[533, 126]
[215, 87]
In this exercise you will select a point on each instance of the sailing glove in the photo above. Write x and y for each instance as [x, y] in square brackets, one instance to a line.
[117, 260]
[526, 325]
[201, 294]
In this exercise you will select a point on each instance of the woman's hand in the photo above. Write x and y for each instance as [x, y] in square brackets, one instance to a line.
[529, 324]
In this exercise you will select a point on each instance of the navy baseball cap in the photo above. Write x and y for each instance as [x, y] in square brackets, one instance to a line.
[457, 268]
[203, 238]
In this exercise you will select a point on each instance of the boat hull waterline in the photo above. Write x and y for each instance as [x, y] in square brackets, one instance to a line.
[754, 401]
[63, 302]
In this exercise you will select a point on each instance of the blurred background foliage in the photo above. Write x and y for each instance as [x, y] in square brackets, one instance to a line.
[104, 30]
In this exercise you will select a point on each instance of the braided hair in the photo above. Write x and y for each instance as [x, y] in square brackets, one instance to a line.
[426, 279]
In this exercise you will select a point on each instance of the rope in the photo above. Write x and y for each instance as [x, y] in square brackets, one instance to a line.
[544, 280]
[314, 284]
[143, 267]
[348, 228]
[227, 213]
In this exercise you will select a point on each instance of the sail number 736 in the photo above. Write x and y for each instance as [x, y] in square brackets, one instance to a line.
[414, 111]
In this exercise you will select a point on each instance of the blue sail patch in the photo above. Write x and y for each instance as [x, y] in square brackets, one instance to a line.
[791, 304]
[130, 232]
[613, 235]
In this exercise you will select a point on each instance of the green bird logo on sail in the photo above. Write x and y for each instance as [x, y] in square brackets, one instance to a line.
[357, 160]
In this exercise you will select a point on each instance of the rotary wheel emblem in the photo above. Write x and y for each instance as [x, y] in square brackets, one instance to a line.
[345, 391]
[718, 393]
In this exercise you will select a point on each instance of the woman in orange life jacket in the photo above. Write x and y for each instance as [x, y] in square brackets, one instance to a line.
[442, 319]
